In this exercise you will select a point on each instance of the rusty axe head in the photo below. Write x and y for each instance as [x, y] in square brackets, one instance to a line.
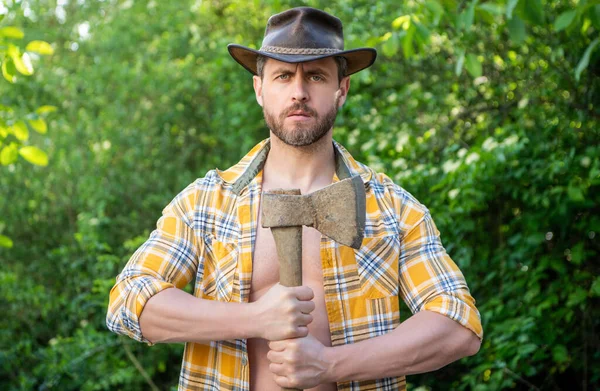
[337, 211]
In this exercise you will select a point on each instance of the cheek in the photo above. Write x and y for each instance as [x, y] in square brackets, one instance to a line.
[272, 102]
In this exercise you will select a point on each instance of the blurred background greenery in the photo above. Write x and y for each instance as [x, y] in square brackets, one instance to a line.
[487, 111]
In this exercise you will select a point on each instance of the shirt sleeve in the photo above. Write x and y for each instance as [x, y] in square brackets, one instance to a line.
[169, 258]
[429, 279]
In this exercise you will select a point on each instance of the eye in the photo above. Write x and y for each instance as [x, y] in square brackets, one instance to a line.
[283, 76]
[316, 78]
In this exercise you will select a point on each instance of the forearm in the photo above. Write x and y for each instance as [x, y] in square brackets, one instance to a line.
[425, 342]
[173, 315]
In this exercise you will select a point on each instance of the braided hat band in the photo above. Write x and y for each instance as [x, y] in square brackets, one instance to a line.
[280, 50]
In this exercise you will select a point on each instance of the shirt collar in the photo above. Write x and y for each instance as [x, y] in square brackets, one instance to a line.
[240, 175]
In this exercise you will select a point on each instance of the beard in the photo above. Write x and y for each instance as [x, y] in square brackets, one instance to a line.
[301, 135]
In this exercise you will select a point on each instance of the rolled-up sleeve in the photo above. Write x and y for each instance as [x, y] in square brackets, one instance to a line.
[169, 258]
[429, 278]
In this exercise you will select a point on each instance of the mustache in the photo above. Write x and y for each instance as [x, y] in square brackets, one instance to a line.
[299, 106]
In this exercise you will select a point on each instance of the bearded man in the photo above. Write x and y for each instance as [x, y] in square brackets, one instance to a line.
[341, 330]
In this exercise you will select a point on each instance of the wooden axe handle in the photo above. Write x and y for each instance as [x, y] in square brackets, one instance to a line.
[288, 241]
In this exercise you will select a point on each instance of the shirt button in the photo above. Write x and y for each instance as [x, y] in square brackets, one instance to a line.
[244, 361]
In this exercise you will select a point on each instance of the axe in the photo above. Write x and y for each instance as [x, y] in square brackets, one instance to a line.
[338, 211]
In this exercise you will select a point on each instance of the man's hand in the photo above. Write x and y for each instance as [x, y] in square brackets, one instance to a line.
[299, 363]
[284, 312]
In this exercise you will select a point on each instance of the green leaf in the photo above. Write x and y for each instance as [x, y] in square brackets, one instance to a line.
[577, 253]
[534, 12]
[576, 297]
[34, 155]
[560, 354]
[401, 22]
[494, 9]
[5, 241]
[9, 154]
[460, 21]
[473, 65]
[46, 109]
[594, 15]
[585, 60]
[8, 70]
[20, 131]
[470, 15]
[22, 62]
[516, 30]
[595, 288]
[391, 45]
[423, 33]
[510, 7]
[564, 20]
[11, 32]
[39, 125]
[41, 47]
[437, 10]
[459, 63]
[575, 193]
[407, 42]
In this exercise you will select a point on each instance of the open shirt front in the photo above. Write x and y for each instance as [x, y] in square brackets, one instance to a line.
[207, 234]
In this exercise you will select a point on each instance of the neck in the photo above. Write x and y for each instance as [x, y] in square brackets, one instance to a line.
[306, 168]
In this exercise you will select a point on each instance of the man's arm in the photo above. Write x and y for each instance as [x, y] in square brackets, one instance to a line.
[173, 315]
[152, 281]
[446, 325]
[425, 342]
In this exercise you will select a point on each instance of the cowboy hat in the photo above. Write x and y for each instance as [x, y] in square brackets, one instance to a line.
[303, 34]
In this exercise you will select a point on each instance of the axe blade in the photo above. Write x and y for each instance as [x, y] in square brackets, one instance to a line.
[340, 211]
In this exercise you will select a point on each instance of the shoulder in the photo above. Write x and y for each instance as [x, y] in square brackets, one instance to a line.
[395, 202]
[200, 197]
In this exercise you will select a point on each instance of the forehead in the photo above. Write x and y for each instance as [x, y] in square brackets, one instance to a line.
[325, 64]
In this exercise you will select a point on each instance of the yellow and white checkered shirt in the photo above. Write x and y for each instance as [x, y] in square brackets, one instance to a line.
[207, 234]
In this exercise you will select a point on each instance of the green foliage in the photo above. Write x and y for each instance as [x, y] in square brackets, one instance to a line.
[486, 111]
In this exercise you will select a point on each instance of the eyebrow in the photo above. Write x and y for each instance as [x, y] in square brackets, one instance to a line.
[316, 70]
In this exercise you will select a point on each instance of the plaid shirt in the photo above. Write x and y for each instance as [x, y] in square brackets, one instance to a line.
[207, 234]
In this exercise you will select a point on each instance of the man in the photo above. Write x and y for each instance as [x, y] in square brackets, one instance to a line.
[341, 330]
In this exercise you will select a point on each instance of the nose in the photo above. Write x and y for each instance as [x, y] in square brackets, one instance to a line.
[300, 92]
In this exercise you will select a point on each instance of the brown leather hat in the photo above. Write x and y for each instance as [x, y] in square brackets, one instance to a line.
[300, 35]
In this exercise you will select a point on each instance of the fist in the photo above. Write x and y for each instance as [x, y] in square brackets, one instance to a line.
[284, 312]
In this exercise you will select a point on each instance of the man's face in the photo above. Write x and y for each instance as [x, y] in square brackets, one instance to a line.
[300, 101]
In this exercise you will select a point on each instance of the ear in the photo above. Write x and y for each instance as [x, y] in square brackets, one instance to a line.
[257, 83]
[342, 92]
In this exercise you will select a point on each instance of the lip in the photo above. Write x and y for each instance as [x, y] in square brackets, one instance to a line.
[299, 113]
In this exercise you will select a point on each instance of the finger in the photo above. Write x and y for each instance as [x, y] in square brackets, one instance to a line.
[275, 357]
[301, 331]
[304, 319]
[306, 306]
[283, 381]
[304, 293]
[277, 369]
[277, 346]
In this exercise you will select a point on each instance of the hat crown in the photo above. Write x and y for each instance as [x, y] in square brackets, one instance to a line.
[304, 28]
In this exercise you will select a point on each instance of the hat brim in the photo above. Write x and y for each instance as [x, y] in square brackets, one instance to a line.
[357, 59]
